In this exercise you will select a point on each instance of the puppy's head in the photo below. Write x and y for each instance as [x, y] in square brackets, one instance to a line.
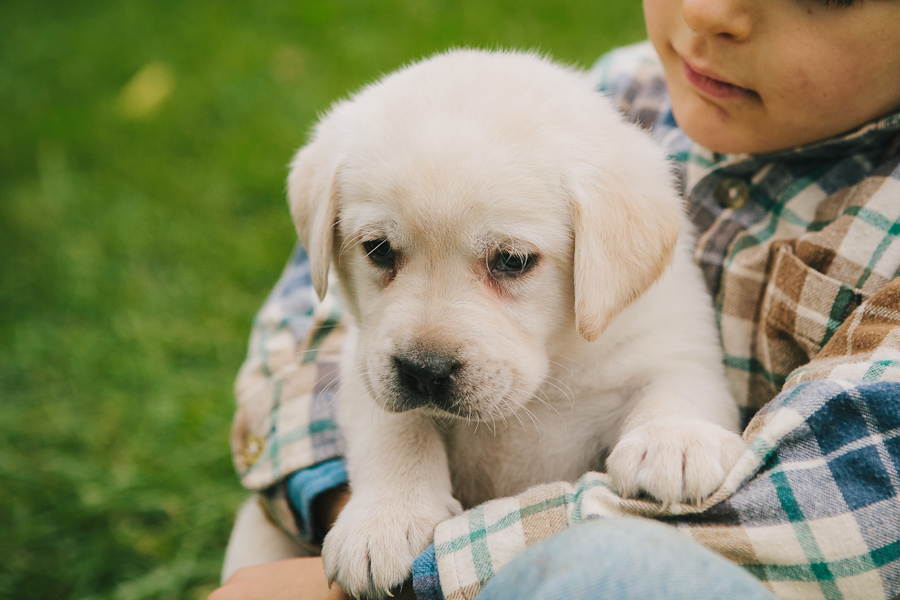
[479, 209]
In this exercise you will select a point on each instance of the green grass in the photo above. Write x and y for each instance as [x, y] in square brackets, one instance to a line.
[137, 240]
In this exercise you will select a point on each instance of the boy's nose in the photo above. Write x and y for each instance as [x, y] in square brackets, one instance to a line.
[730, 19]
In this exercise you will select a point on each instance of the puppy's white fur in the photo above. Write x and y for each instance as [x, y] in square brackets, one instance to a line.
[600, 353]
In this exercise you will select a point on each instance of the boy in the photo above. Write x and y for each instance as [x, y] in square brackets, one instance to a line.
[782, 116]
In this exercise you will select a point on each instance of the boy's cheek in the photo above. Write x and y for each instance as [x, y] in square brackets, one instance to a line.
[656, 15]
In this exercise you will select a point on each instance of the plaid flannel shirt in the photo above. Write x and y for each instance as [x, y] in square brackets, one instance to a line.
[800, 251]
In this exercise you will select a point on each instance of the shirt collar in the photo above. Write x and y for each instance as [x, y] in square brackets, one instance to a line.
[875, 141]
[871, 139]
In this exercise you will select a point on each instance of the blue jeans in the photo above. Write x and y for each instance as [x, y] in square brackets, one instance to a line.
[622, 559]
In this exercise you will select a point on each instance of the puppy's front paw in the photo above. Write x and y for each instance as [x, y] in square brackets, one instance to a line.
[371, 547]
[674, 460]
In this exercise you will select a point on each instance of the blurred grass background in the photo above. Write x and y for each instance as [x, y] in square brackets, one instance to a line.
[142, 221]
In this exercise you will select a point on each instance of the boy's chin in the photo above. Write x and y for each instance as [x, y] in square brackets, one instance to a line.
[723, 134]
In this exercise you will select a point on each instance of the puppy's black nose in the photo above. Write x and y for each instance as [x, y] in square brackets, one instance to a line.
[425, 374]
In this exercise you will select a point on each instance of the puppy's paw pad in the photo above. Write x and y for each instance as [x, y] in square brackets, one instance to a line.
[372, 546]
[674, 460]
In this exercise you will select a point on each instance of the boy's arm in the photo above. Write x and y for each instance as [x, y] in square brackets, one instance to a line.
[285, 389]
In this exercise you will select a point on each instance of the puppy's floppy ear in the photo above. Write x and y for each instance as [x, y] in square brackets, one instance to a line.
[626, 222]
[313, 196]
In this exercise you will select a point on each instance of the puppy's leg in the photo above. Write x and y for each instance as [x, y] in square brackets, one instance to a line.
[256, 541]
[674, 460]
[678, 442]
[401, 489]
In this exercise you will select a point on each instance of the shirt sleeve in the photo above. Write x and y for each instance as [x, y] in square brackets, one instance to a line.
[632, 78]
[285, 389]
[304, 486]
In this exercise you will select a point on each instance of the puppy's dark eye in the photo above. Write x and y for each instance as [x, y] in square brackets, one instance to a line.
[507, 264]
[380, 252]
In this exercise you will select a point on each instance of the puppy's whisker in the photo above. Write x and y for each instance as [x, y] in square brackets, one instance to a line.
[311, 350]
[562, 384]
[335, 382]
[447, 422]
[534, 419]
[353, 239]
[502, 417]
[436, 420]
[324, 393]
[380, 244]
[532, 416]
[318, 327]
[339, 221]
[383, 404]
[342, 384]
[545, 401]
[341, 381]
[515, 414]
[350, 243]
[567, 392]
[374, 405]
[562, 366]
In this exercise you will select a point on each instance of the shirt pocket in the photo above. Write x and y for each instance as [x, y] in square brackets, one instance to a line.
[802, 306]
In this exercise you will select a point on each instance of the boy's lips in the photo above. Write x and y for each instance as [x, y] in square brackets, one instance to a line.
[709, 84]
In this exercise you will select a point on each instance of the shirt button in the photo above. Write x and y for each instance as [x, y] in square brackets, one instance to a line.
[732, 193]
[253, 447]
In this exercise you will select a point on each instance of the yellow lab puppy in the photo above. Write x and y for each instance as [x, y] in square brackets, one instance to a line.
[523, 300]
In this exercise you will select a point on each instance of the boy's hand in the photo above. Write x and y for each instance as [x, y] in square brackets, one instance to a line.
[292, 579]
[295, 578]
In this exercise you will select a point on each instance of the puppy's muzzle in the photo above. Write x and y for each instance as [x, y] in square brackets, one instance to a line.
[427, 379]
